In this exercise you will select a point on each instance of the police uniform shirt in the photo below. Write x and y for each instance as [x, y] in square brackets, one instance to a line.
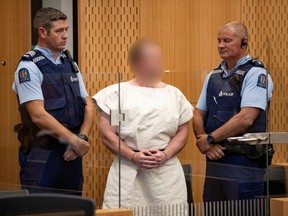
[28, 78]
[253, 91]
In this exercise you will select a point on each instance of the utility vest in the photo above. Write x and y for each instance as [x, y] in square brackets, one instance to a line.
[61, 91]
[224, 98]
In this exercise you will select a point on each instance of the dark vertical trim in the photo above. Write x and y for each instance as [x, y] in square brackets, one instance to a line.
[35, 6]
[75, 30]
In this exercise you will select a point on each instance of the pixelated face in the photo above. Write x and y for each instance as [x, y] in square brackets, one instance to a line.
[151, 63]
[56, 38]
[229, 44]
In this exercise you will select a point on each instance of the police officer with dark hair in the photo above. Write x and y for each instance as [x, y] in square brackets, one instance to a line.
[56, 110]
[233, 102]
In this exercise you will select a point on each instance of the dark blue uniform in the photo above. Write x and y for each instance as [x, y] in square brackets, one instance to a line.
[43, 168]
[239, 174]
[235, 176]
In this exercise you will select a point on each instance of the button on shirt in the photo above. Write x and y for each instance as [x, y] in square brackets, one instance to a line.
[252, 94]
[31, 89]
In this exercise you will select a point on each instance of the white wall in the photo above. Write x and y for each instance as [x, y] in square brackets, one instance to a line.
[66, 6]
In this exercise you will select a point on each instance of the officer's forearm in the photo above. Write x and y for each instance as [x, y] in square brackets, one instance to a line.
[51, 126]
[198, 123]
[237, 124]
[88, 118]
[48, 123]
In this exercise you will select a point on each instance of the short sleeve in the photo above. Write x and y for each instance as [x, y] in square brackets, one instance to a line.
[83, 90]
[27, 82]
[202, 104]
[254, 89]
[186, 110]
[107, 99]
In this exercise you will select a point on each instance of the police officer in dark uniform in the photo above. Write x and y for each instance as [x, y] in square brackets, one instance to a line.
[56, 111]
[233, 101]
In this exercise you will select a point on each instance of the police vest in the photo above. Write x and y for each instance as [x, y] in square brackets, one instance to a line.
[224, 98]
[61, 91]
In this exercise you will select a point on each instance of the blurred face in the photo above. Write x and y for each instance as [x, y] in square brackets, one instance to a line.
[56, 38]
[150, 65]
[229, 44]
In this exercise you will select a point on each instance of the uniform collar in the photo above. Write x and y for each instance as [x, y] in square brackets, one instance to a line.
[49, 55]
[240, 62]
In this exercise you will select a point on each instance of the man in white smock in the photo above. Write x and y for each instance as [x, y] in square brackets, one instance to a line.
[155, 131]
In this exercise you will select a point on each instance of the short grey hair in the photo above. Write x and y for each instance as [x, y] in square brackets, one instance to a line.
[240, 28]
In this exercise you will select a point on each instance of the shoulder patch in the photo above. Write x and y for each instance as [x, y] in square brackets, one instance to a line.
[23, 75]
[262, 81]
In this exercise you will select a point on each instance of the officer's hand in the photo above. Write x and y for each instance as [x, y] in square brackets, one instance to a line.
[80, 146]
[70, 154]
[145, 159]
[202, 143]
[216, 152]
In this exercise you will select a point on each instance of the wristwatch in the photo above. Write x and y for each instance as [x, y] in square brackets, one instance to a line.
[84, 137]
[210, 139]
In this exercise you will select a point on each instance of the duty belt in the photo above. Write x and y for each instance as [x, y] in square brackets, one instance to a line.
[239, 148]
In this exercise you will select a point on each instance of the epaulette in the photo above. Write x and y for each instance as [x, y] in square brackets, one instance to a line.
[217, 70]
[32, 56]
[257, 63]
[29, 55]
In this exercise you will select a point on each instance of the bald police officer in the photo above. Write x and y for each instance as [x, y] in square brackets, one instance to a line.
[55, 109]
[233, 101]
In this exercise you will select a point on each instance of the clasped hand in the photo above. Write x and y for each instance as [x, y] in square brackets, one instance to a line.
[78, 149]
[150, 159]
[213, 152]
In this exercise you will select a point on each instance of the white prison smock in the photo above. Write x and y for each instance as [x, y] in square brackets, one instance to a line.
[154, 115]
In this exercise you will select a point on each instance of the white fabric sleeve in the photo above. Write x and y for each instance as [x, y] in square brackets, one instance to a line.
[27, 82]
[107, 99]
[186, 110]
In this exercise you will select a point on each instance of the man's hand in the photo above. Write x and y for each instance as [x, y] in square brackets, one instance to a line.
[202, 143]
[145, 159]
[48, 123]
[70, 154]
[160, 156]
[80, 146]
[216, 152]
